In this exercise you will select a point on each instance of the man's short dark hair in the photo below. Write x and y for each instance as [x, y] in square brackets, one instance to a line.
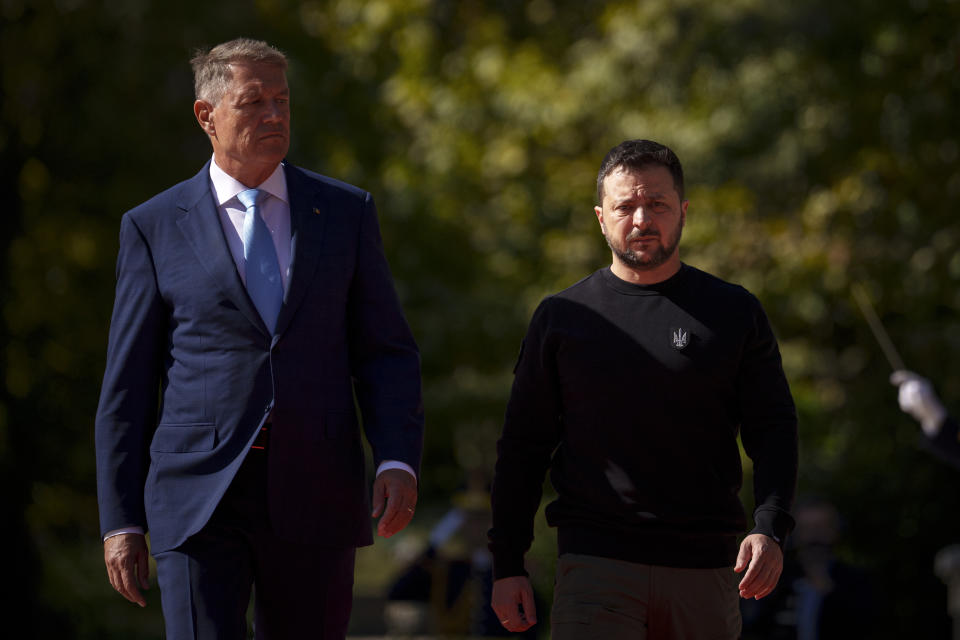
[637, 154]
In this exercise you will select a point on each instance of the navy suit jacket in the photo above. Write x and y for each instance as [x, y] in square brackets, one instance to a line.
[192, 372]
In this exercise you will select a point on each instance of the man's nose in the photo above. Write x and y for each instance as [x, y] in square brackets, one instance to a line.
[640, 217]
[274, 113]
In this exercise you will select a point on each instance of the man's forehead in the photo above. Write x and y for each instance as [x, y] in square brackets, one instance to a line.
[257, 74]
[256, 86]
[650, 180]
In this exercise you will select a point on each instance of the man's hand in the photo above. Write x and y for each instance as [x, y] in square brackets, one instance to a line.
[509, 594]
[127, 565]
[399, 489]
[917, 398]
[763, 560]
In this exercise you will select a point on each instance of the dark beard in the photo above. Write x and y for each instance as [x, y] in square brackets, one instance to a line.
[635, 261]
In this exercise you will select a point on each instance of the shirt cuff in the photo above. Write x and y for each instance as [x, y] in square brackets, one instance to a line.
[116, 532]
[507, 563]
[774, 523]
[396, 464]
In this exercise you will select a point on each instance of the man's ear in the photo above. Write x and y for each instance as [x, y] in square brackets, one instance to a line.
[203, 110]
[599, 212]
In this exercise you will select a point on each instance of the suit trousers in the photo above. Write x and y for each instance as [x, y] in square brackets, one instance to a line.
[300, 591]
[598, 597]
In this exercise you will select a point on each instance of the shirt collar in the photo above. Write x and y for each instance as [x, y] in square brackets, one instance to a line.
[226, 187]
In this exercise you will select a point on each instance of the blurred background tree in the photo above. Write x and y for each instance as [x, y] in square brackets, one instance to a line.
[821, 149]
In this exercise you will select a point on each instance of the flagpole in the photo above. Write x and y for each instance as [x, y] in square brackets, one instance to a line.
[883, 339]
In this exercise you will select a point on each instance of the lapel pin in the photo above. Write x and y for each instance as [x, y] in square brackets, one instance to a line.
[680, 338]
[316, 211]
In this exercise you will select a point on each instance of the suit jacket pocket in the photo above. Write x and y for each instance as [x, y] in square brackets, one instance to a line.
[184, 438]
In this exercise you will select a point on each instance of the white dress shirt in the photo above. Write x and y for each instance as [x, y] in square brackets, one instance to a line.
[275, 211]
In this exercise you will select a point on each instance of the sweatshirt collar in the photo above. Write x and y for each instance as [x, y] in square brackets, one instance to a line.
[628, 288]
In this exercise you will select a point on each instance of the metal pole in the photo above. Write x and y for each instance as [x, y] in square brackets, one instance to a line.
[863, 300]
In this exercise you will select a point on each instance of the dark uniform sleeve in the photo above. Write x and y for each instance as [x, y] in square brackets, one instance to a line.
[768, 428]
[531, 432]
[946, 444]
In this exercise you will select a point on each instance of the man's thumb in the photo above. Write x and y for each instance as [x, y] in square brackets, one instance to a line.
[377, 498]
[529, 608]
[143, 570]
[743, 558]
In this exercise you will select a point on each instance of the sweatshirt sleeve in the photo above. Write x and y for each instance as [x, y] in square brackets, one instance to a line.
[768, 428]
[531, 432]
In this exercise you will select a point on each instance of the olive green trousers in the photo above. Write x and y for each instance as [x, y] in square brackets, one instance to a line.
[604, 599]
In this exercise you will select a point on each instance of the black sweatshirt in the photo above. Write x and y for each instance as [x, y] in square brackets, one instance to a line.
[633, 396]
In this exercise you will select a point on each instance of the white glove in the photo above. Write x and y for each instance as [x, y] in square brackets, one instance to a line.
[917, 397]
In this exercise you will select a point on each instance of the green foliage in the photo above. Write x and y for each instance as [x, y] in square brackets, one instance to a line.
[821, 150]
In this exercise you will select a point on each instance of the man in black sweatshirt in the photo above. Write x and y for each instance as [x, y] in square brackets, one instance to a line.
[631, 387]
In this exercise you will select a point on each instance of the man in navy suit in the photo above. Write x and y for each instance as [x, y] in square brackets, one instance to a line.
[227, 424]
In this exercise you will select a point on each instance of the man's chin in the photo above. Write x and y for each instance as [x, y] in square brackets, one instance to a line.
[644, 262]
[273, 147]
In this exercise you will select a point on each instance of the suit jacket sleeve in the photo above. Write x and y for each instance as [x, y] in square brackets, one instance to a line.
[127, 412]
[384, 360]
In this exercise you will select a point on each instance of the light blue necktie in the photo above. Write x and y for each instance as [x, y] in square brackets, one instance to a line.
[264, 284]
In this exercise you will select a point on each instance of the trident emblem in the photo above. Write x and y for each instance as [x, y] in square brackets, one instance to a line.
[680, 338]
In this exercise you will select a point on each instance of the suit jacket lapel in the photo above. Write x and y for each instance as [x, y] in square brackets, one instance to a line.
[200, 224]
[307, 218]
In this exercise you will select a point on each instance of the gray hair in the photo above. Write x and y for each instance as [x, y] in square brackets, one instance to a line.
[211, 69]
